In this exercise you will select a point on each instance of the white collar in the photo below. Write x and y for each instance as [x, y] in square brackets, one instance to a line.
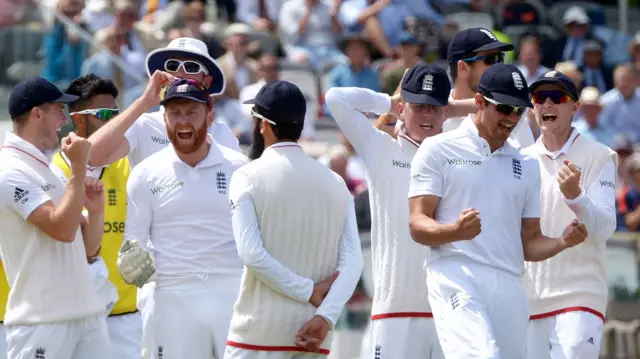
[540, 149]
[214, 156]
[407, 145]
[13, 141]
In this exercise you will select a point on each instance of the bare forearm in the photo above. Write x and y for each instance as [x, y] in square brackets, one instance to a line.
[461, 108]
[539, 248]
[67, 215]
[429, 232]
[92, 233]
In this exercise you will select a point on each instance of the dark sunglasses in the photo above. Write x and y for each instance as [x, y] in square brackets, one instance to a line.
[103, 114]
[490, 59]
[505, 109]
[556, 97]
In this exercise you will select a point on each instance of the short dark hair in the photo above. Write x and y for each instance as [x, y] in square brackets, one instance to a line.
[88, 86]
[284, 130]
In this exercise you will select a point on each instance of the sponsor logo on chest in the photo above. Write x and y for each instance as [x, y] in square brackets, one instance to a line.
[401, 164]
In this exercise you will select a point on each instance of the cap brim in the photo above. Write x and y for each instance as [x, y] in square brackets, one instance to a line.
[157, 58]
[511, 100]
[547, 81]
[424, 99]
[66, 98]
[185, 97]
[496, 45]
[250, 102]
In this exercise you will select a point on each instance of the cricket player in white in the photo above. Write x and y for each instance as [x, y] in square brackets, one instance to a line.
[178, 200]
[474, 271]
[139, 134]
[470, 53]
[294, 223]
[53, 310]
[402, 320]
[568, 293]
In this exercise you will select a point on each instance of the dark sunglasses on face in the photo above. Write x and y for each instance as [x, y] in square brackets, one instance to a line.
[556, 97]
[505, 109]
[103, 114]
[490, 59]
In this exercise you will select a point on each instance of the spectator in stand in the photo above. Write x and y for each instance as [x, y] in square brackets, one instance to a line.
[530, 59]
[236, 65]
[64, 49]
[587, 119]
[138, 36]
[98, 14]
[309, 31]
[193, 20]
[624, 148]
[577, 27]
[262, 15]
[622, 104]
[628, 201]
[268, 70]
[408, 55]
[596, 73]
[634, 51]
[572, 71]
[338, 162]
[14, 12]
[100, 63]
[355, 165]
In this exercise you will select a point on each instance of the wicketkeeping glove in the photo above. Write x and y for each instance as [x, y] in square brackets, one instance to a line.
[135, 264]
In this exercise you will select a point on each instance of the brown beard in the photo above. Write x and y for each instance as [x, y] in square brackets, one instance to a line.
[200, 136]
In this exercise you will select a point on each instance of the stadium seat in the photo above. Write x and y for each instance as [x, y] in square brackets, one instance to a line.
[467, 20]
[594, 10]
[537, 4]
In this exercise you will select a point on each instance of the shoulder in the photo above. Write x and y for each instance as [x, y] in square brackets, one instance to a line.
[236, 158]
[154, 162]
[14, 185]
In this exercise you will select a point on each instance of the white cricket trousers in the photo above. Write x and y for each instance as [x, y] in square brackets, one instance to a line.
[125, 334]
[187, 317]
[480, 312]
[413, 338]
[239, 353]
[75, 339]
[570, 335]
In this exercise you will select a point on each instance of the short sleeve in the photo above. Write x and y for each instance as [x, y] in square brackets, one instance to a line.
[532, 201]
[132, 135]
[426, 172]
[19, 193]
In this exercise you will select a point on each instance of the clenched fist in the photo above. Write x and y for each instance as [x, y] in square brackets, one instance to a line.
[468, 225]
[569, 180]
[574, 234]
[156, 83]
[77, 150]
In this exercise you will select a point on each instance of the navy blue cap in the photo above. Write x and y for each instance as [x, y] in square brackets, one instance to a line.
[505, 84]
[426, 84]
[185, 89]
[33, 92]
[280, 102]
[474, 40]
[557, 78]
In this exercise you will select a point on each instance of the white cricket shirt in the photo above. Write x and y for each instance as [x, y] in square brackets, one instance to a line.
[504, 186]
[400, 287]
[50, 280]
[148, 135]
[184, 212]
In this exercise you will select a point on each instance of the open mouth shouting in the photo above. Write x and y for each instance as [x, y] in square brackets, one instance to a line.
[549, 117]
[185, 134]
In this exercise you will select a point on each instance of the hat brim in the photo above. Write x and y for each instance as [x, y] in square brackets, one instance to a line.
[424, 99]
[66, 98]
[249, 102]
[344, 42]
[496, 45]
[550, 81]
[157, 58]
[510, 100]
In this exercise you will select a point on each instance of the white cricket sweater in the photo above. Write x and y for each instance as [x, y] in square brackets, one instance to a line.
[575, 279]
[50, 280]
[400, 288]
[302, 208]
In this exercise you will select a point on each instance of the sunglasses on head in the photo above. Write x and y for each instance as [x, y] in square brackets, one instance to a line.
[490, 59]
[188, 66]
[103, 114]
[556, 97]
[504, 108]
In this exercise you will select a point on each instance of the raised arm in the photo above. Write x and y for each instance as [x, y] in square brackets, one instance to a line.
[93, 226]
[251, 250]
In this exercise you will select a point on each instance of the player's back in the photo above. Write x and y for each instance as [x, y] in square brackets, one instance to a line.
[301, 206]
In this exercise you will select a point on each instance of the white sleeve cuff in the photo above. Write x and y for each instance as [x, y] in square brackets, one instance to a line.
[578, 200]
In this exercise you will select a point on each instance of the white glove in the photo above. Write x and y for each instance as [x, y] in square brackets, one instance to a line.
[135, 264]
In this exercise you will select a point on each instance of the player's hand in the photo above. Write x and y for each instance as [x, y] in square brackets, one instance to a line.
[77, 150]
[312, 334]
[569, 179]
[468, 224]
[574, 234]
[135, 264]
[156, 83]
[321, 289]
[94, 195]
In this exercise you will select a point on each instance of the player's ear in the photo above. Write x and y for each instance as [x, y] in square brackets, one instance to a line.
[576, 107]
[211, 115]
[462, 67]
[479, 101]
[401, 109]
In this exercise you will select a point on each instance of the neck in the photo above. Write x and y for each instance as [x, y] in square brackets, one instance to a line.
[553, 141]
[532, 68]
[484, 133]
[193, 158]
[462, 92]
